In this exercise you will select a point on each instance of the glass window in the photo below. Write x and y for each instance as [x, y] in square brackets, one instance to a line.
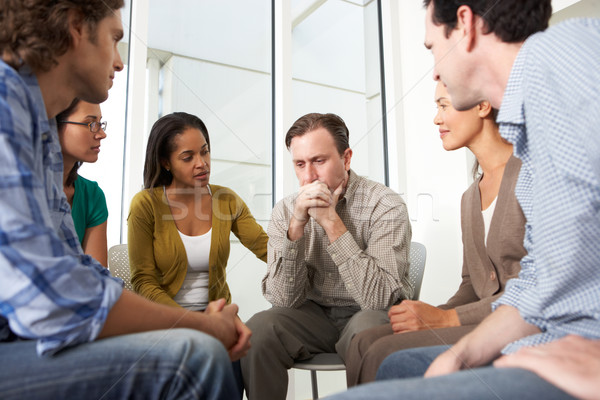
[212, 58]
[335, 68]
[108, 170]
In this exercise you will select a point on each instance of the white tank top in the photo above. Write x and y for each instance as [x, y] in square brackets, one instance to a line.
[487, 215]
[193, 294]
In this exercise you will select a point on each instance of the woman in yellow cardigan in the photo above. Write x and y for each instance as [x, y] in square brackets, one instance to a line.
[179, 225]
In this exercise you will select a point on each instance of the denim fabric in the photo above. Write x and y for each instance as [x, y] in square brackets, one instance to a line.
[479, 383]
[486, 383]
[408, 363]
[170, 364]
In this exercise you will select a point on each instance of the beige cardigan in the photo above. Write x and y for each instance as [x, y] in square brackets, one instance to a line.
[157, 257]
[486, 270]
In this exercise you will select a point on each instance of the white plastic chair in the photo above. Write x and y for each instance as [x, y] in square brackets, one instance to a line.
[118, 264]
[332, 361]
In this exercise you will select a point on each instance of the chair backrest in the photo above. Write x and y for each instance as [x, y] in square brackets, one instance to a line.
[118, 264]
[417, 256]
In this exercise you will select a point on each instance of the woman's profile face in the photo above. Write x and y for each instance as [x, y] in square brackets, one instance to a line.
[189, 163]
[457, 128]
[78, 142]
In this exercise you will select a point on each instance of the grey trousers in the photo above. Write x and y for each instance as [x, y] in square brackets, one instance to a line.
[369, 348]
[282, 335]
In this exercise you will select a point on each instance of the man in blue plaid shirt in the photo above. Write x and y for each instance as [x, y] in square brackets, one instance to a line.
[543, 335]
[55, 302]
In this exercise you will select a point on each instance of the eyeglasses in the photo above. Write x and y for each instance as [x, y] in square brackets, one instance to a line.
[94, 126]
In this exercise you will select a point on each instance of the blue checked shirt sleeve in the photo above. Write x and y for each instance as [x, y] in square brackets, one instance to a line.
[559, 185]
[49, 290]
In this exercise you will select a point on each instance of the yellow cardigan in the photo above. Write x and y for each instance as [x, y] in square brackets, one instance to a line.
[157, 257]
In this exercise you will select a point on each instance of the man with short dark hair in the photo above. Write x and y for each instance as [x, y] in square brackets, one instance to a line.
[546, 326]
[53, 298]
[337, 258]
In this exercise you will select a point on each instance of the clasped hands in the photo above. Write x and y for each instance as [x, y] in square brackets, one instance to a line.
[229, 329]
[315, 200]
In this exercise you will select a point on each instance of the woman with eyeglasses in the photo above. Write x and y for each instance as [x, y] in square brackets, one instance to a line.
[80, 131]
[179, 226]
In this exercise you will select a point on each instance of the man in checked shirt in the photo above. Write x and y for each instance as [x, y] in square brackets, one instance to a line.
[337, 258]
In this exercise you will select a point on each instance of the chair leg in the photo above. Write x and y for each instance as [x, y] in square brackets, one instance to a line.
[314, 385]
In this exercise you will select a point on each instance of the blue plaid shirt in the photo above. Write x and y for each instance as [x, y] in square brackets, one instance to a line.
[49, 290]
[551, 113]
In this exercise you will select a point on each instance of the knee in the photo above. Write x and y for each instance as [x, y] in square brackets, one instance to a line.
[367, 319]
[192, 346]
[377, 352]
[388, 369]
[407, 363]
[263, 326]
[361, 342]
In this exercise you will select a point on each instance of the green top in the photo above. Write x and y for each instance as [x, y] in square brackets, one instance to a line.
[157, 257]
[89, 206]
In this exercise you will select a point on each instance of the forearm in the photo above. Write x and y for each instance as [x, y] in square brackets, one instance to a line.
[296, 229]
[334, 227]
[285, 283]
[132, 313]
[485, 343]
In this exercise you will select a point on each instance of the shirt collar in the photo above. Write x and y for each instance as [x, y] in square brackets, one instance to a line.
[351, 186]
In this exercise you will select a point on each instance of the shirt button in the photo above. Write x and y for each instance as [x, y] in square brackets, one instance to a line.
[333, 254]
[293, 252]
[329, 274]
[493, 276]
[291, 280]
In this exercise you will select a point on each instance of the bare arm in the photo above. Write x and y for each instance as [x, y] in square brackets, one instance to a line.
[94, 243]
[484, 344]
[132, 313]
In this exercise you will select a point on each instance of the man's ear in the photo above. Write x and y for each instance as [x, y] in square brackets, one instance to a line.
[485, 108]
[466, 22]
[347, 157]
[76, 27]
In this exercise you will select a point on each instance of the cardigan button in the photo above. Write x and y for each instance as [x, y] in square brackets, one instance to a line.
[493, 276]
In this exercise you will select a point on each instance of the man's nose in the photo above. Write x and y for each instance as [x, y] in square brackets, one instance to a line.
[310, 174]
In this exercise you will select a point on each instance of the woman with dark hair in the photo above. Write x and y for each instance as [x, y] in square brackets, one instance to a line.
[493, 227]
[179, 225]
[80, 131]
